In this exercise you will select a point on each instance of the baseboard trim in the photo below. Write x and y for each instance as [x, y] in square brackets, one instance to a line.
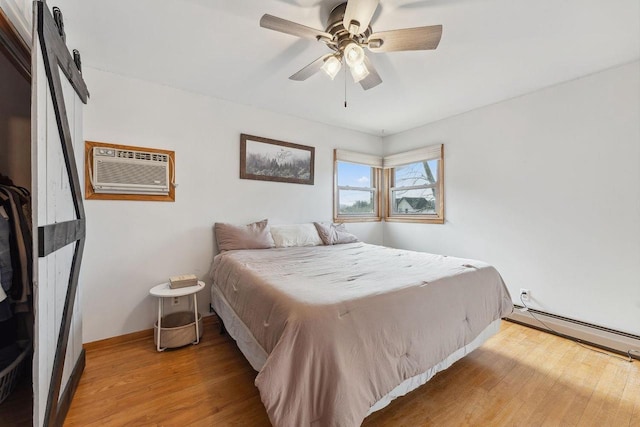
[120, 339]
[594, 335]
[135, 336]
[64, 403]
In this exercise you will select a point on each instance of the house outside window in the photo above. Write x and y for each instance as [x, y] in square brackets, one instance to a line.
[414, 186]
[356, 187]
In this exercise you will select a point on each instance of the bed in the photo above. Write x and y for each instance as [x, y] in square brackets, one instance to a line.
[337, 332]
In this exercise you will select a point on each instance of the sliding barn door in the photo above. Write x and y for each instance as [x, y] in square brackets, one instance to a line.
[58, 96]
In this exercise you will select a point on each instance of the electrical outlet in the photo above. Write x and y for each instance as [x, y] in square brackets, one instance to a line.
[175, 301]
[525, 294]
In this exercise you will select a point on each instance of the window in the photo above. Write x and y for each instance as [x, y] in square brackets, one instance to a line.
[414, 186]
[356, 194]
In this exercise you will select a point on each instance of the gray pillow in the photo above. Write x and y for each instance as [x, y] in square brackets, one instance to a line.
[334, 234]
[250, 236]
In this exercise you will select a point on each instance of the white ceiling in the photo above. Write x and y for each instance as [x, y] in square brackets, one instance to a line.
[491, 50]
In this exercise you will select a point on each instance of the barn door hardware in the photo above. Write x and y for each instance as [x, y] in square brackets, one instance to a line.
[52, 237]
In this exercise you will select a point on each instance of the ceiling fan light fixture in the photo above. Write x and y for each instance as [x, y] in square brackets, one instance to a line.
[359, 72]
[331, 66]
[347, 33]
[353, 54]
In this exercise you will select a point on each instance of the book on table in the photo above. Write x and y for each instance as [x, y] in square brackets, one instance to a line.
[182, 281]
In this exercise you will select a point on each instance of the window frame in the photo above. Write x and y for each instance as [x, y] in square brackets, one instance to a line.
[376, 180]
[437, 217]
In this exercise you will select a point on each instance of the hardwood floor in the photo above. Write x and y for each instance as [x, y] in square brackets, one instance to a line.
[520, 377]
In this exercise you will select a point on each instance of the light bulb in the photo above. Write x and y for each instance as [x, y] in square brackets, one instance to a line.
[353, 54]
[331, 66]
[359, 72]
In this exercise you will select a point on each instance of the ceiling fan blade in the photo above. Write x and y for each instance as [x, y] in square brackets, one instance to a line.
[420, 38]
[289, 27]
[310, 69]
[358, 15]
[373, 79]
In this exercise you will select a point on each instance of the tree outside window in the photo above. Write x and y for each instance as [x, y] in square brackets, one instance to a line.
[415, 192]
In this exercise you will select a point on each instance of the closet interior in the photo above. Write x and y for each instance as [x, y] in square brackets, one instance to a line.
[16, 237]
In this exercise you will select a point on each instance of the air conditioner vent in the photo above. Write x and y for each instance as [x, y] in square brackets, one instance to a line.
[138, 155]
[130, 172]
[127, 173]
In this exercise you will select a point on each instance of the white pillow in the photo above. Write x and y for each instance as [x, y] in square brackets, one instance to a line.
[286, 236]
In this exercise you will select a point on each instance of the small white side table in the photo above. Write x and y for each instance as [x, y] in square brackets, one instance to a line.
[163, 290]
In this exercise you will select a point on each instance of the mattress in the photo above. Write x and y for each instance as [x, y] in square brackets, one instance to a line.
[338, 331]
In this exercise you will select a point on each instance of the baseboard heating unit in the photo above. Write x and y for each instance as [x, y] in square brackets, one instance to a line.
[598, 336]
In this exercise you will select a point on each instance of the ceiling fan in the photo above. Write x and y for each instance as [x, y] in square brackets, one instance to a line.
[347, 33]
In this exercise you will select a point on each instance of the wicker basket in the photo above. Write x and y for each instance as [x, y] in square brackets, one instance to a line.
[10, 375]
[178, 329]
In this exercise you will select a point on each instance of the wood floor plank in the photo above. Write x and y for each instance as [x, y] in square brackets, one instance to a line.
[608, 392]
[630, 397]
[520, 377]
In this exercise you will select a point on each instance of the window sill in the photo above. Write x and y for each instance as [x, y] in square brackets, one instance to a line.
[416, 220]
[339, 219]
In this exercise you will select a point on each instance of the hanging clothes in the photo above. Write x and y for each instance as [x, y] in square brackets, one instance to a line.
[14, 200]
[6, 270]
[16, 270]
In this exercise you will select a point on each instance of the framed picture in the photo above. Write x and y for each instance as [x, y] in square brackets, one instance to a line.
[270, 160]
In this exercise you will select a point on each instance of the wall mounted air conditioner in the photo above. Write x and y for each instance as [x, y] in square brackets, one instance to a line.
[129, 172]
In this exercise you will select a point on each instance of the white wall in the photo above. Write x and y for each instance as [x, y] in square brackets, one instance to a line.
[132, 246]
[547, 188]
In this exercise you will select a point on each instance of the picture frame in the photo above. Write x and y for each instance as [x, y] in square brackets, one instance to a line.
[267, 159]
